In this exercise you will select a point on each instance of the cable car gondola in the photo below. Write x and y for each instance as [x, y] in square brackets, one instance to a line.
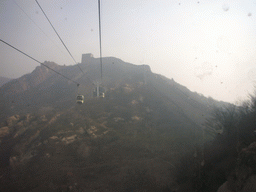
[80, 99]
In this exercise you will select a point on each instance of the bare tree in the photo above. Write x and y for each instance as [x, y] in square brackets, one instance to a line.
[223, 121]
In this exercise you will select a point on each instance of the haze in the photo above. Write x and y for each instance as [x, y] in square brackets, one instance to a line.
[207, 46]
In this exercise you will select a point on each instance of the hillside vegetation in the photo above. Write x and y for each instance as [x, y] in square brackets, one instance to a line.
[230, 158]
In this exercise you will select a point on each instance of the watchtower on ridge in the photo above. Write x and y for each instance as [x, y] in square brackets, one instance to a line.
[86, 57]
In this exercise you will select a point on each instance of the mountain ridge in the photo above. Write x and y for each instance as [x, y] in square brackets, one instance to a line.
[43, 87]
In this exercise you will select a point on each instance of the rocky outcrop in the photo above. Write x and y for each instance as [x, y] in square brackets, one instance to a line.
[12, 120]
[4, 131]
[243, 178]
[8, 127]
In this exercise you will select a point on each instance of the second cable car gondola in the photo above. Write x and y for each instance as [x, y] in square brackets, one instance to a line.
[99, 92]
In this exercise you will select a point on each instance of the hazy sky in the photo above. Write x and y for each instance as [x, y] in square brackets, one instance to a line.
[208, 46]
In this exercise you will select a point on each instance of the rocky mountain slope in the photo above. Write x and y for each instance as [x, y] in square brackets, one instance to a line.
[127, 141]
[79, 151]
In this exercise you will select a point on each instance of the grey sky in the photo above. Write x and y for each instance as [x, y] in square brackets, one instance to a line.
[208, 46]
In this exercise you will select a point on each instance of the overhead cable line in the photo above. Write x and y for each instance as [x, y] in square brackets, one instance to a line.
[100, 41]
[59, 36]
[40, 62]
[38, 26]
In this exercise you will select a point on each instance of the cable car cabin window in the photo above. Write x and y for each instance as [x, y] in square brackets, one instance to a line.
[80, 99]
